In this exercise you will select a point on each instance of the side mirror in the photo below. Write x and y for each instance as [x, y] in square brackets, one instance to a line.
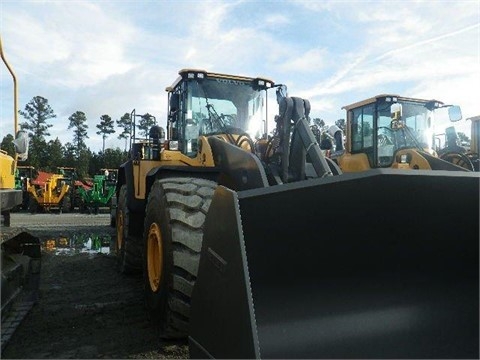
[454, 113]
[21, 145]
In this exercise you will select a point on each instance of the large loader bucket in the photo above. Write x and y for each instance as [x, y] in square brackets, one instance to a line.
[381, 264]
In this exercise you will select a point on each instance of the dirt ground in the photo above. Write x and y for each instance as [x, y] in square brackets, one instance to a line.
[86, 310]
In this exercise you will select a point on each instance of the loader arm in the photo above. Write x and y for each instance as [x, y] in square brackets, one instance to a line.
[243, 170]
[293, 150]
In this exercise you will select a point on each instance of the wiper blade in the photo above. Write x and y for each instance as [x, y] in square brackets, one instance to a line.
[213, 115]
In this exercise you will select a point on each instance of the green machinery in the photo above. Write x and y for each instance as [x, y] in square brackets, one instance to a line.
[101, 192]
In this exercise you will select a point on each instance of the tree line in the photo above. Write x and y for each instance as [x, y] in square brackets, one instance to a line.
[48, 155]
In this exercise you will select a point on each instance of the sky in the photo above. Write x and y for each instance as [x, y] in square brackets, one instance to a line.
[113, 56]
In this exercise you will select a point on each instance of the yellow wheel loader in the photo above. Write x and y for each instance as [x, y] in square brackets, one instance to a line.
[20, 251]
[392, 131]
[257, 245]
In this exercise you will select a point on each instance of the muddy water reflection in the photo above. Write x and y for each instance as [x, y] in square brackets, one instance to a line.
[79, 243]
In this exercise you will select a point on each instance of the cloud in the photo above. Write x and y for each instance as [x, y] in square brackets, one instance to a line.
[110, 57]
[69, 44]
[420, 46]
[276, 19]
[313, 59]
[414, 50]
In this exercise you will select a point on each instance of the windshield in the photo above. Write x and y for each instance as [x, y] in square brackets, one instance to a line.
[375, 133]
[209, 106]
[220, 105]
[416, 130]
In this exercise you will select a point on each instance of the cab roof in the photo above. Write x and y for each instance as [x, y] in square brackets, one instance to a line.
[183, 72]
[384, 96]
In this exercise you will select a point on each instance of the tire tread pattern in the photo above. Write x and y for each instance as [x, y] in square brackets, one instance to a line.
[188, 200]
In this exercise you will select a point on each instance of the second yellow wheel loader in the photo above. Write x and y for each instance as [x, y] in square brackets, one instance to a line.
[392, 131]
[259, 246]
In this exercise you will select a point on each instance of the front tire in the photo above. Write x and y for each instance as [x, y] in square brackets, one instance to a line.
[65, 204]
[458, 159]
[173, 235]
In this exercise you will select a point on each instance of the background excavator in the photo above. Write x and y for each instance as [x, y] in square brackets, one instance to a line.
[20, 250]
[239, 239]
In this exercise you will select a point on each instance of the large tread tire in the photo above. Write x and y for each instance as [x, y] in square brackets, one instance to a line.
[458, 159]
[65, 204]
[128, 249]
[112, 211]
[173, 235]
[475, 160]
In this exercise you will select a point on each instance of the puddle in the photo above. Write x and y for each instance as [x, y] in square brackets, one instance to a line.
[79, 243]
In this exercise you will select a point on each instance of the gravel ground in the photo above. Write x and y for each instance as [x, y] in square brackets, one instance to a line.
[86, 309]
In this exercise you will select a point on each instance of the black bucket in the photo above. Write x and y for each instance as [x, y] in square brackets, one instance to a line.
[381, 264]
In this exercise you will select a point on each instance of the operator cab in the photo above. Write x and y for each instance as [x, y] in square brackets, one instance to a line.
[205, 104]
[380, 126]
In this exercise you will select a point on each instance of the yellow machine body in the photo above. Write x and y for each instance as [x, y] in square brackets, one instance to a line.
[51, 193]
[7, 165]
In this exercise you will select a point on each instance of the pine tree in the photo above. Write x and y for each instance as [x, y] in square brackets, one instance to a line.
[105, 128]
[125, 123]
[145, 123]
[36, 113]
[78, 121]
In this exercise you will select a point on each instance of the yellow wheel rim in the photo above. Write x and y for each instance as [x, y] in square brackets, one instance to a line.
[119, 230]
[154, 256]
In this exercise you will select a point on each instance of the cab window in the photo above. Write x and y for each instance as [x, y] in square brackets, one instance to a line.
[362, 129]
